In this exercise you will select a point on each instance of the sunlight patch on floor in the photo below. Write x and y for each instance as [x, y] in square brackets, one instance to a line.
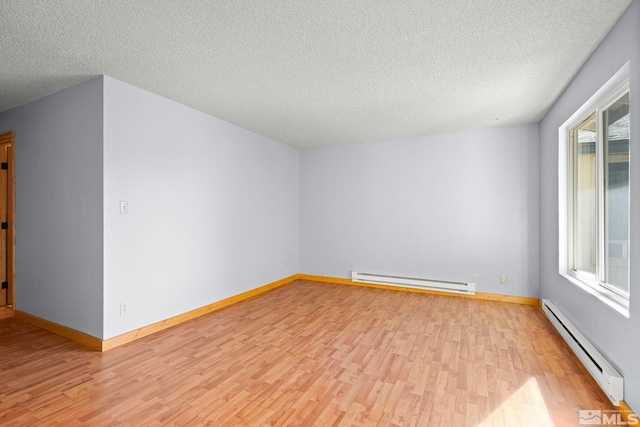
[525, 407]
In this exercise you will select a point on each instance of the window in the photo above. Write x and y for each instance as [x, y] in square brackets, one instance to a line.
[598, 193]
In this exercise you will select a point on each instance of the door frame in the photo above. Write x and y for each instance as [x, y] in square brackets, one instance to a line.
[10, 140]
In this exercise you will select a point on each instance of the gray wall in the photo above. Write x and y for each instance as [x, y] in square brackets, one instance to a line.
[59, 206]
[461, 206]
[213, 208]
[616, 336]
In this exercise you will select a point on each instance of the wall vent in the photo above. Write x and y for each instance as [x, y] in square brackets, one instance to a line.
[412, 282]
[605, 375]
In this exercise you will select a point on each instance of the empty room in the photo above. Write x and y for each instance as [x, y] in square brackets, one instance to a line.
[322, 213]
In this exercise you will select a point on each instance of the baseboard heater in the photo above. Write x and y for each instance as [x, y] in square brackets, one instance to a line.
[606, 375]
[413, 282]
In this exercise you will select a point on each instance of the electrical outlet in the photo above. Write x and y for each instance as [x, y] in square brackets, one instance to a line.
[503, 279]
[124, 308]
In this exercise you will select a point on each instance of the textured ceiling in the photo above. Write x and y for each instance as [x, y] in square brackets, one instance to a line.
[311, 73]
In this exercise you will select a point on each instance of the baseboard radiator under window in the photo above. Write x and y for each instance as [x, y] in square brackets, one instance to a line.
[606, 375]
[412, 282]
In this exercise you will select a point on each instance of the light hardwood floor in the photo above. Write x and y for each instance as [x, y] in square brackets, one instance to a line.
[308, 354]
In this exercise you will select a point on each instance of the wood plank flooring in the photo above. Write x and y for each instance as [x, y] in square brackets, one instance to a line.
[308, 354]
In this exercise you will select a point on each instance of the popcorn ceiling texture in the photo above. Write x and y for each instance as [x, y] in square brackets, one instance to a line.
[313, 73]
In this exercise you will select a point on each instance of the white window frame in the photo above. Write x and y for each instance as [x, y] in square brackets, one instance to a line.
[615, 88]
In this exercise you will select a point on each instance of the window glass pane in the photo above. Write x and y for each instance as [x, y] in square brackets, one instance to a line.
[616, 188]
[585, 212]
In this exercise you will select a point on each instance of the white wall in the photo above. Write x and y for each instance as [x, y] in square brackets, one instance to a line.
[59, 206]
[460, 206]
[213, 208]
[618, 337]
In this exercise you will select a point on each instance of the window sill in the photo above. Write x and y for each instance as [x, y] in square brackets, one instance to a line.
[624, 310]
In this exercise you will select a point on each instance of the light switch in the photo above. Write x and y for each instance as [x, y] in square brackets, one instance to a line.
[124, 207]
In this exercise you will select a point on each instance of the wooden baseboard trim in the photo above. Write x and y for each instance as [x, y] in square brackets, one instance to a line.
[506, 298]
[627, 414]
[339, 281]
[104, 345]
[77, 336]
[478, 295]
[176, 320]
[6, 312]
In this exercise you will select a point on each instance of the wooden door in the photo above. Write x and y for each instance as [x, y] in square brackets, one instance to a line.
[6, 220]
